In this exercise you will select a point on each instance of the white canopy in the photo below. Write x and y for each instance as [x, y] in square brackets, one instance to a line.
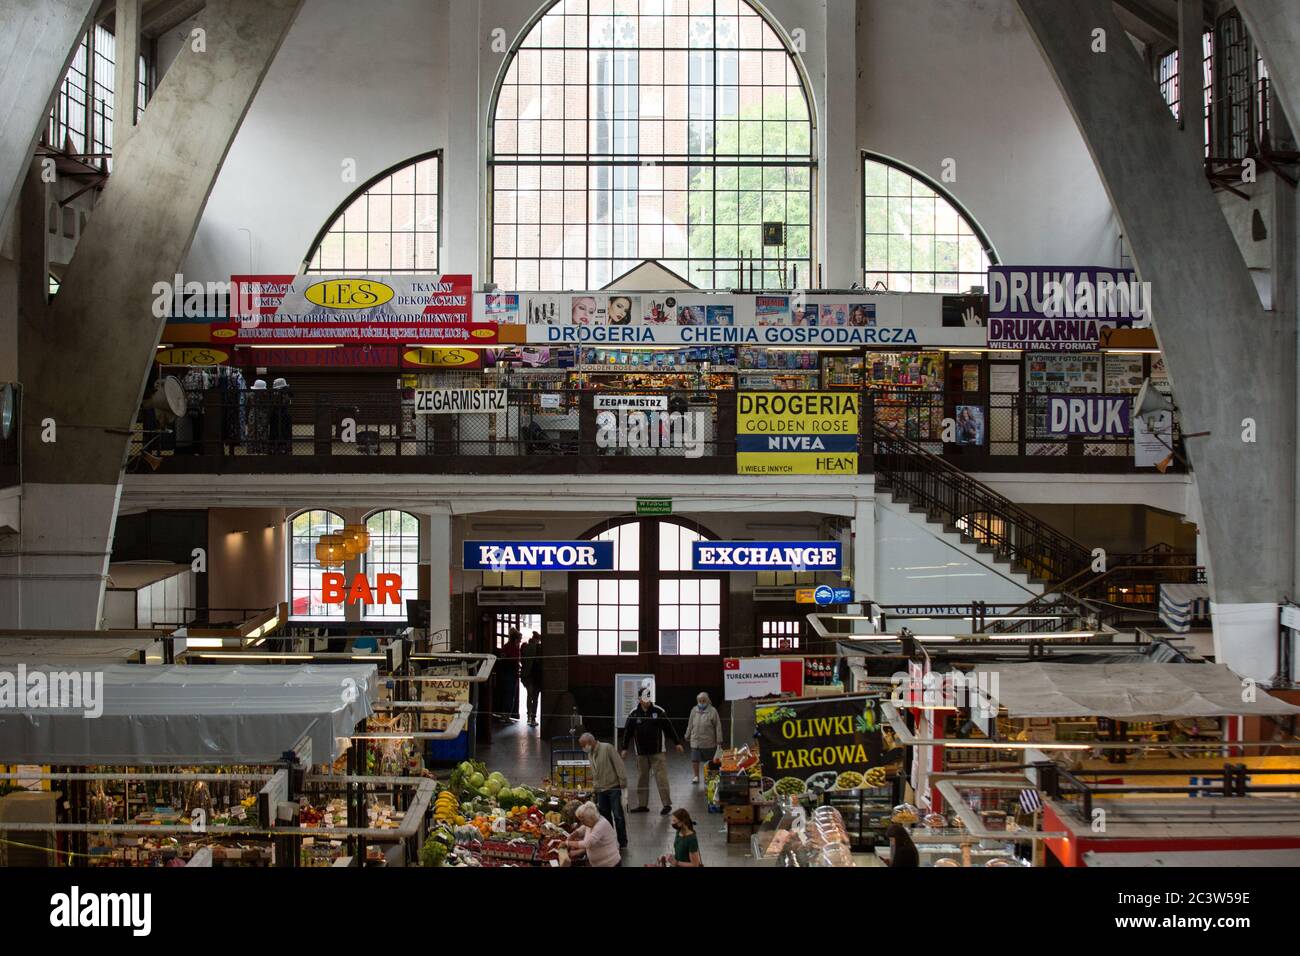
[185, 714]
[1125, 691]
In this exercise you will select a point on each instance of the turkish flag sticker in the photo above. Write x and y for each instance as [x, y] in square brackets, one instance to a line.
[731, 664]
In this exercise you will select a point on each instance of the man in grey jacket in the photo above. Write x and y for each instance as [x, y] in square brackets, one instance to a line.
[703, 733]
[608, 781]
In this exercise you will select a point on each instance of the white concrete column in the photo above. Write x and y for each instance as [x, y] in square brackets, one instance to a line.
[839, 181]
[864, 549]
[463, 171]
[55, 576]
[126, 51]
[440, 565]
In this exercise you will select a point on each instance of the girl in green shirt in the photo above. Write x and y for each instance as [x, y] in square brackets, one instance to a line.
[686, 845]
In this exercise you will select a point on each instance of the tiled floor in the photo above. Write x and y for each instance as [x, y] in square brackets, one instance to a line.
[524, 756]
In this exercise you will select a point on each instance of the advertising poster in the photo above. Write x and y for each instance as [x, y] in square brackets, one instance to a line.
[345, 310]
[746, 677]
[627, 691]
[970, 424]
[771, 309]
[720, 315]
[501, 307]
[1152, 442]
[797, 433]
[817, 740]
[657, 311]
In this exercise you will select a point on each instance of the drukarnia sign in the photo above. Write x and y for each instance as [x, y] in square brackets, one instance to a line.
[387, 589]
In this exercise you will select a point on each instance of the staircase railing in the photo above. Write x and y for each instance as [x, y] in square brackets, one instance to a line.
[974, 510]
[1094, 590]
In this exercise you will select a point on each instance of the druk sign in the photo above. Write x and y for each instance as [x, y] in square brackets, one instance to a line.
[539, 555]
[1088, 415]
[387, 589]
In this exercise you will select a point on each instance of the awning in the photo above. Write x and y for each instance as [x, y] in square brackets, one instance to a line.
[1127, 691]
[179, 714]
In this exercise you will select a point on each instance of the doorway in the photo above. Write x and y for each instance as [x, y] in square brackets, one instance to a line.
[509, 699]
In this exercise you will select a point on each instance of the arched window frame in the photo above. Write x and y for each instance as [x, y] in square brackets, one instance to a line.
[308, 562]
[650, 577]
[766, 274]
[378, 560]
[308, 268]
[963, 214]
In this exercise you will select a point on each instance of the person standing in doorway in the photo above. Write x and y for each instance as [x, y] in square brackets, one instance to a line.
[508, 677]
[530, 672]
[608, 781]
[647, 725]
[703, 733]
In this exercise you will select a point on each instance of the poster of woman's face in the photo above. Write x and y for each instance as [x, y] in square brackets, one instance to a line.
[584, 310]
[621, 309]
[862, 314]
[802, 314]
[690, 315]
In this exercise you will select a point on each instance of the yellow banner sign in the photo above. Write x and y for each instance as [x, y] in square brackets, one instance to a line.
[797, 433]
[195, 355]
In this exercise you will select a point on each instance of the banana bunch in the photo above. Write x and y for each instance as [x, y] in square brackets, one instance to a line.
[446, 809]
[875, 777]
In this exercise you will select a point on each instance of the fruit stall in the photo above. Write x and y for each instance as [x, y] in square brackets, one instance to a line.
[481, 820]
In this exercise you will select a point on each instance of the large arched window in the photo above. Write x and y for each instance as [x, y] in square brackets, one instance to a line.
[305, 530]
[394, 549]
[388, 226]
[626, 130]
[652, 603]
[918, 238]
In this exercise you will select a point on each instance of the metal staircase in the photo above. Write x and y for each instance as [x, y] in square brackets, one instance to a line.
[997, 526]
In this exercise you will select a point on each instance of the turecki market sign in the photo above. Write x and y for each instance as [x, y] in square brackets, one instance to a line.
[539, 555]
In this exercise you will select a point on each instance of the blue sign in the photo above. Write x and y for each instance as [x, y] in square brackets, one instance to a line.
[797, 443]
[765, 556]
[824, 594]
[539, 556]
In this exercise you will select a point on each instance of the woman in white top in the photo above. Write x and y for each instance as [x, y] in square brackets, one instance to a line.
[595, 839]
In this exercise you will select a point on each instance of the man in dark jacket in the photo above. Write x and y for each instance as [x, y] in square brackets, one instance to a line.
[646, 725]
[530, 672]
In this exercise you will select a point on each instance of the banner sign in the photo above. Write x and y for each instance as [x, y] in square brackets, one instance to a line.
[1063, 309]
[456, 401]
[1088, 414]
[192, 355]
[796, 433]
[1153, 441]
[637, 403]
[429, 358]
[347, 356]
[805, 336]
[627, 693]
[765, 556]
[349, 309]
[539, 555]
[745, 677]
[816, 740]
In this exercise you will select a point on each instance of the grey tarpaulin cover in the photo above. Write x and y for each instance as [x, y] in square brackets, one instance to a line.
[1125, 691]
[196, 714]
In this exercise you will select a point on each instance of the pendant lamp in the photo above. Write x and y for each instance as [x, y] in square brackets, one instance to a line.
[358, 536]
[330, 551]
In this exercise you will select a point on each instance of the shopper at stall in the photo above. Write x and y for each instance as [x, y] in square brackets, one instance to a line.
[594, 839]
[608, 781]
[902, 851]
[530, 672]
[703, 733]
[686, 844]
[647, 725]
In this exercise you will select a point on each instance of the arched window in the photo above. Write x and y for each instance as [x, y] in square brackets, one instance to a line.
[394, 549]
[305, 530]
[652, 571]
[388, 226]
[918, 238]
[649, 129]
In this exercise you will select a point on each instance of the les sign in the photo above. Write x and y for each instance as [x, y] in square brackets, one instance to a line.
[387, 589]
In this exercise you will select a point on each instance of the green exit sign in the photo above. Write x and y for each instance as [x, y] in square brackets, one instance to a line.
[654, 506]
